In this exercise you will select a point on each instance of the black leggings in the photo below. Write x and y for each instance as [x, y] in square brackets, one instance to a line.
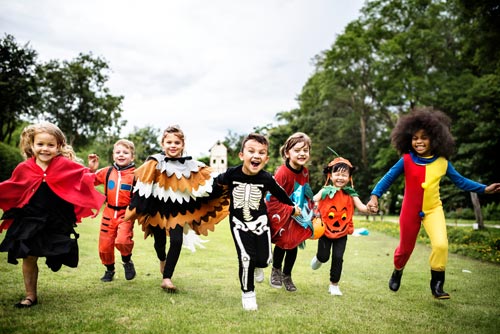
[254, 250]
[289, 255]
[174, 251]
[338, 248]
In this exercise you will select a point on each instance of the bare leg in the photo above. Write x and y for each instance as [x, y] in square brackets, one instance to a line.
[30, 275]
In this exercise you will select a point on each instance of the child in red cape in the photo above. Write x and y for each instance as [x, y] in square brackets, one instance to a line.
[46, 195]
[288, 232]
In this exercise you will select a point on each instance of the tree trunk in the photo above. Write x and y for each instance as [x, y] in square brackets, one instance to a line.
[477, 210]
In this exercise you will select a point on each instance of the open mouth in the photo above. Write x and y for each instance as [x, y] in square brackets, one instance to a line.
[255, 163]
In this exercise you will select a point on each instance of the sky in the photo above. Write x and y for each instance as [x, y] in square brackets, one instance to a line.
[210, 66]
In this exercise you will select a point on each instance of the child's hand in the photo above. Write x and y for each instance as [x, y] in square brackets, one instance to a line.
[492, 188]
[372, 204]
[297, 212]
[93, 161]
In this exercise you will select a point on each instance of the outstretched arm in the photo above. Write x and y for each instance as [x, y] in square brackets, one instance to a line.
[360, 206]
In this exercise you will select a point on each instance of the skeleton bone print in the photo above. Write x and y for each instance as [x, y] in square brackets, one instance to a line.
[247, 196]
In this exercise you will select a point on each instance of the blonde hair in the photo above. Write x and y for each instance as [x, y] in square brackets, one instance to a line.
[175, 130]
[297, 137]
[28, 138]
[127, 143]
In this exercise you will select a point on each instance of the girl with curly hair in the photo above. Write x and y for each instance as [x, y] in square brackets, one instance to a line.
[45, 197]
[424, 139]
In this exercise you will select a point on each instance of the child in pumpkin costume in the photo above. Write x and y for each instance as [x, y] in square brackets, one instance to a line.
[335, 206]
[424, 139]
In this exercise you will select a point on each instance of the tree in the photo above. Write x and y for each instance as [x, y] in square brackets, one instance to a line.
[18, 87]
[400, 54]
[75, 97]
[146, 141]
[232, 141]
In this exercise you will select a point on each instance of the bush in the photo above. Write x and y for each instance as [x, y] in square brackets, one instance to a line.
[491, 211]
[461, 213]
[10, 157]
[482, 245]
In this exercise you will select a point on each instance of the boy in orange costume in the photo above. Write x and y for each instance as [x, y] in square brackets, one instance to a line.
[118, 180]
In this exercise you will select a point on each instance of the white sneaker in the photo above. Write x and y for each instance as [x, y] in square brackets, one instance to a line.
[249, 301]
[315, 264]
[334, 290]
[259, 275]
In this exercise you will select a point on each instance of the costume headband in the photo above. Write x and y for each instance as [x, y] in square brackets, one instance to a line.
[339, 160]
[336, 161]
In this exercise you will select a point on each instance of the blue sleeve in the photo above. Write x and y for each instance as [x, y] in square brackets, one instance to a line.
[389, 178]
[462, 182]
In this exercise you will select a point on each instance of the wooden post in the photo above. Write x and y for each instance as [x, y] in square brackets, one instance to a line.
[477, 210]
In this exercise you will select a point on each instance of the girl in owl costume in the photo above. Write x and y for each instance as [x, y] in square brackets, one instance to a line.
[174, 193]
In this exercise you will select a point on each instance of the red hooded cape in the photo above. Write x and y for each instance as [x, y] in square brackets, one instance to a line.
[68, 179]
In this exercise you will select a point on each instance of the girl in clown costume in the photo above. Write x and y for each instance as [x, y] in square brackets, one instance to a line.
[424, 139]
[335, 207]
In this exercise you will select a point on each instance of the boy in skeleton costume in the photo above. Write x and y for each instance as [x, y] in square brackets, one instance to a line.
[248, 185]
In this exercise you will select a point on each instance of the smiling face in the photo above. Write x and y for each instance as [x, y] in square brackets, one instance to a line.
[45, 148]
[340, 178]
[298, 155]
[122, 155]
[172, 145]
[421, 143]
[254, 157]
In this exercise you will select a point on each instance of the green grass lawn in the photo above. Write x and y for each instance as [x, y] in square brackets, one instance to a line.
[209, 300]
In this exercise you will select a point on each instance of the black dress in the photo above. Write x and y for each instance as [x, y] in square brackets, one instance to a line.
[43, 228]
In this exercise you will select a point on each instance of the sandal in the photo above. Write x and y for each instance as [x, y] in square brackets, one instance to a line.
[168, 286]
[23, 305]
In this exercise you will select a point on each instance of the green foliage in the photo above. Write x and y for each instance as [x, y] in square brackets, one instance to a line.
[233, 141]
[400, 54]
[71, 94]
[461, 213]
[146, 141]
[10, 157]
[491, 211]
[75, 97]
[18, 85]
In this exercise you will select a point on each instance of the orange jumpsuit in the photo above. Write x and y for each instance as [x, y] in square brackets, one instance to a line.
[115, 232]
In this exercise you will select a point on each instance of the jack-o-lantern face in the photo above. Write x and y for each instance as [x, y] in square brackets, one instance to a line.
[336, 220]
[336, 214]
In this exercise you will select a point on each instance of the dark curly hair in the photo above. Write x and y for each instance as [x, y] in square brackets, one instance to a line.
[435, 123]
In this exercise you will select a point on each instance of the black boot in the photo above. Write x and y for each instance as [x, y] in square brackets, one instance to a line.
[437, 284]
[395, 280]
